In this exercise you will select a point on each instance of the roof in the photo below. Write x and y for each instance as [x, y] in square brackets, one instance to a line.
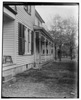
[10, 9]
[37, 28]
[38, 15]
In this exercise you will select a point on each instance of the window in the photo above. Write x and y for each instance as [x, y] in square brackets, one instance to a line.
[21, 37]
[26, 40]
[38, 23]
[43, 51]
[14, 7]
[28, 9]
[47, 47]
[51, 51]
[29, 41]
[47, 51]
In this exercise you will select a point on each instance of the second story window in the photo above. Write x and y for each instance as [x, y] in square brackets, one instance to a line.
[38, 23]
[28, 9]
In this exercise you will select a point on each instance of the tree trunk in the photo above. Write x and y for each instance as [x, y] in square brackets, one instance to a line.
[60, 52]
[55, 53]
[71, 53]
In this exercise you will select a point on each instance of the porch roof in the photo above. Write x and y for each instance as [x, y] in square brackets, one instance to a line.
[10, 9]
[37, 28]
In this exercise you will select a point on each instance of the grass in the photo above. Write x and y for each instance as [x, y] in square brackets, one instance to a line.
[56, 79]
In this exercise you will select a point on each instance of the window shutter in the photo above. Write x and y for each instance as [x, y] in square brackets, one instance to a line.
[32, 42]
[20, 40]
[28, 40]
[21, 47]
[23, 40]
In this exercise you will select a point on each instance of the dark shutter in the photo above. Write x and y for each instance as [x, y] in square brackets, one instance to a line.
[32, 42]
[21, 48]
[23, 40]
[20, 40]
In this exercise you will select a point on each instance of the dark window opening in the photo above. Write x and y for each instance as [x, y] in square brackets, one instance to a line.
[43, 51]
[47, 51]
[52, 51]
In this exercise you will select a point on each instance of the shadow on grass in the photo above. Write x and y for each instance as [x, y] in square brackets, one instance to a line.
[61, 72]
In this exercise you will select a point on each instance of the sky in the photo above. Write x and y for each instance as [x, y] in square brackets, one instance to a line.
[48, 12]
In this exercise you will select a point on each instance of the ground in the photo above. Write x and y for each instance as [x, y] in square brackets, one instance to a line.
[55, 79]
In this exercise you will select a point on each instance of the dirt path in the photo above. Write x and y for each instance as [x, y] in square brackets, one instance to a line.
[56, 79]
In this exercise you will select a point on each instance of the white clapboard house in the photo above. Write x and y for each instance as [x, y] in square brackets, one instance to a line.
[26, 44]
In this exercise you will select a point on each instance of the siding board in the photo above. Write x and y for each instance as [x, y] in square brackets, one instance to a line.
[8, 38]
[28, 21]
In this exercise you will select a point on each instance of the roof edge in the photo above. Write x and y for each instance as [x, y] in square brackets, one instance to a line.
[38, 15]
[9, 8]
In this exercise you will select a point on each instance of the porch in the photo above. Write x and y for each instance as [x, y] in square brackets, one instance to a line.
[8, 36]
[44, 46]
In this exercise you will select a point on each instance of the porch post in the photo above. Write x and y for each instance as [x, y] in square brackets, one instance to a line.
[39, 47]
[48, 47]
[45, 48]
[34, 47]
[53, 52]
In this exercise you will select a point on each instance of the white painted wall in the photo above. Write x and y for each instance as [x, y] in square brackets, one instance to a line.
[36, 21]
[27, 20]
[8, 38]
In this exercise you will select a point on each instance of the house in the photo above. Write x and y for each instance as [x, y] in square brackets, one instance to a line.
[26, 44]
[44, 45]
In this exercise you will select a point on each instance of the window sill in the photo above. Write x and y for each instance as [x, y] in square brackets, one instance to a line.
[48, 55]
[42, 54]
[26, 55]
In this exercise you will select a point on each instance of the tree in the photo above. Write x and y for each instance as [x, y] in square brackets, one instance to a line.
[70, 27]
[57, 31]
[64, 33]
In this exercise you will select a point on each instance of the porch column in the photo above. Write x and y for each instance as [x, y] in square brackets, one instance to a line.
[49, 50]
[45, 48]
[39, 47]
[34, 47]
[53, 51]
[48, 47]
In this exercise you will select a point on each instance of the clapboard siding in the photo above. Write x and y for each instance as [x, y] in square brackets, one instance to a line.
[8, 38]
[28, 21]
[24, 17]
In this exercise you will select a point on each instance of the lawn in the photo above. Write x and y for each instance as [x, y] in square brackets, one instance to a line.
[55, 79]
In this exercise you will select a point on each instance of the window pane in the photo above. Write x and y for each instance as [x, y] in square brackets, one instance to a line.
[26, 8]
[29, 9]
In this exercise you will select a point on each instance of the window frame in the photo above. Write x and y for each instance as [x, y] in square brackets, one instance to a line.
[28, 42]
[27, 8]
